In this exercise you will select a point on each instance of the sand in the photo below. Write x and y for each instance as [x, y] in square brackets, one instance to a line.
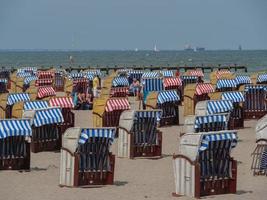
[134, 179]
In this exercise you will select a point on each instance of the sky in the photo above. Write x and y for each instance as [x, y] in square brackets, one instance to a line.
[130, 24]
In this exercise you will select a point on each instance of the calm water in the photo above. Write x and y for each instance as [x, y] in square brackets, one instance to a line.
[255, 60]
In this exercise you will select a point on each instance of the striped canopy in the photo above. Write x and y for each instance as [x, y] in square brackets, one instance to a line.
[45, 74]
[62, 102]
[27, 69]
[204, 88]
[148, 114]
[29, 79]
[262, 78]
[186, 77]
[15, 127]
[167, 73]
[35, 105]
[242, 79]
[226, 83]
[255, 87]
[173, 81]
[135, 74]
[231, 136]
[150, 75]
[200, 120]
[87, 133]
[117, 104]
[120, 81]
[153, 84]
[219, 106]
[17, 97]
[197, 73]
[90, 77]
[221, 72]
[43, 81]
[48, 116]
[233, 96]
[115, 90]
[24, 74]
[168, 96]
[46, 92]
[76, 75]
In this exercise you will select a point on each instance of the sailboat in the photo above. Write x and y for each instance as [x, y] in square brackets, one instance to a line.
[155, 49]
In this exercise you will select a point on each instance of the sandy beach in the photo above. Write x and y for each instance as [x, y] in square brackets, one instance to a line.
[134, 179]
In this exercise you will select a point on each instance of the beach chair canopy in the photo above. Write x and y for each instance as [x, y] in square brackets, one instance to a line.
[242, 79]
[137, 74]
[87, 133]
[44, 116]
[43, 81]
[226, 83]
[117, 104]
[204, 88]
[152, 84]
[45, 74]
[188, 77]
[255, 87]
[220, 73]
[35, 105]
[261, 128]
[120, 81]
[168, 96]
[45, 92]
[62, 102]
[74, 76]
[29, 79]
[26, 71]
[209, 107]
[172, 81]
[197, 73]
[151, 75]
[192, 144]
[193, 122]
[17, 97]
[262, 78]
[235, 96]
[167, 73]
[15, 127]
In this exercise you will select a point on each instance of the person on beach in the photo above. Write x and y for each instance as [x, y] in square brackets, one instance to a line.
[135, 87]
[95, 86]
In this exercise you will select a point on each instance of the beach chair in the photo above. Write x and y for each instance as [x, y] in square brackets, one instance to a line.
[211, 107]
[173, 83]
[107, 111]
[5, 79]
[67, 105]
[15, 144]
[59, 81]
[242, 80]
[168, 102]
[204, 165]
[255, 105]
[237, 114]
[259, 155]
[262, 78]
[13, 108]
[151, 84]
[86, 158]
[45, 91]
[28, 82]
[205, 123]
[194, 93]
[138, 134]
[46, 132]
[120, 87]
[134, 74]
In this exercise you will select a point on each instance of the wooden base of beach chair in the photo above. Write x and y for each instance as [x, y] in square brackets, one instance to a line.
[94, 177]
[147, 151]
[254, 114]
[45, 145]
[17, 163]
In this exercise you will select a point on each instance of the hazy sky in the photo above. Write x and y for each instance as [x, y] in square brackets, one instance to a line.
[130, 24]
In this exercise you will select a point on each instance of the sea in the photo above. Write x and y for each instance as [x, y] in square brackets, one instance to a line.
[255, 60]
